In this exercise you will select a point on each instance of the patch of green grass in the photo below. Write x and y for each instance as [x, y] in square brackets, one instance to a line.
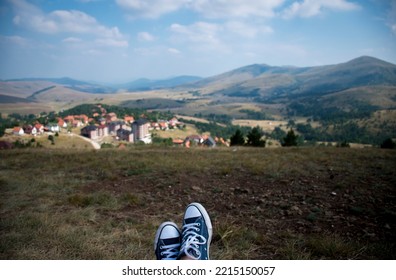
[131, 199]
[312, 217]
[293, 250]
[96, 199]
[324, 246]
[231, 241]
[356, 210]
[333, 247]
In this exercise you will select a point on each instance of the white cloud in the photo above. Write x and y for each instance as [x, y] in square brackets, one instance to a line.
[174, 51]
[200, 36]
[15, 40]
[250, 54]
[151, 8]
[16, 20]
[88, 1]
[153, 51]
[72, 40]
[393, 28]
[145, 36]
[201, 32]
[208, 8]
[93, 52]
[63, 21]
[247, 30]
[236, 8]
[310, 8]
[110, 42]
[392, 16]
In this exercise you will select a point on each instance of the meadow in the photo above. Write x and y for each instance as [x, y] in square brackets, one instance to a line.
[286, 203]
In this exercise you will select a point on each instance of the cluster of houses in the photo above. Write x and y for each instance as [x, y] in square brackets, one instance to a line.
[137, 131]
[101, 125]
[200, 140]
[35, 129]
[108, 124]
[38, 128]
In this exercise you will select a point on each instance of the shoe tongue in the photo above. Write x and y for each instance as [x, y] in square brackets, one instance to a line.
[170, 241]
[192, 220]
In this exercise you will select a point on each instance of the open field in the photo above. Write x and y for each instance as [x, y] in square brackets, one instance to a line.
[63, 141]
[177, 133]
[25, 108]
[266, 125]
[299, 203]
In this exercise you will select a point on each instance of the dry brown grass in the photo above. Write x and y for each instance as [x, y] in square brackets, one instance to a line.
[264, 203]
[177, 133]
[62, 141]
[266, 125]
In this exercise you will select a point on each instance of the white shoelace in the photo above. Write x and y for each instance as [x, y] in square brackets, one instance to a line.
[171, 251]
[193, 240]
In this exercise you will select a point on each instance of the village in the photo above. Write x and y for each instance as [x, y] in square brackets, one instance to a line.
[107, 128]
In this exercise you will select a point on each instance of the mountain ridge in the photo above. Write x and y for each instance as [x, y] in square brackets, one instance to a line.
[257, 83]
[141, 84]
[280, 81]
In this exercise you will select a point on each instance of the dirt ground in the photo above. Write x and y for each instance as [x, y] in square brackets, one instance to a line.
[331, 211]
[297, 203]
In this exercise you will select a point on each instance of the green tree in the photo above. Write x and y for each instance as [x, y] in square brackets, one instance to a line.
[343, 144]
[52, 139]
[254, 137]
[291, 139]
[278, 133]
[237, 139]
[388, 144]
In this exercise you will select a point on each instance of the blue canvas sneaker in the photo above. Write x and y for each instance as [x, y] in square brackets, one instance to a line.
[196, 233]
[167, 241]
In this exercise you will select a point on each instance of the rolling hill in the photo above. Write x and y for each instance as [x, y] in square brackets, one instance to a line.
[274, 82]
[13, 99]
[147, 84]
[66, 82]
[360, 86]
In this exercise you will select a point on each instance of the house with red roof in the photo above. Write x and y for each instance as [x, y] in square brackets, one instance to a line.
[39, 128]
[163, 125]
[18, 131]
[111, 117]
[129, 119]
[62, 123]
[28, 129]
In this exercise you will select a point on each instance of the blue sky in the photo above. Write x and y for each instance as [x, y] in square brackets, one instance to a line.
[122, 40]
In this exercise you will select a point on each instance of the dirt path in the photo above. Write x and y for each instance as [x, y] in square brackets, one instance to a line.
[95, 145]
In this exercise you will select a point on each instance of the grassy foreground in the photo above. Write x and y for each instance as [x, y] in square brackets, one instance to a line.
[298, 203]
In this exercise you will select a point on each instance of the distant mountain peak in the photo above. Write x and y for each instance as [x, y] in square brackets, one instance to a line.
[368, 60]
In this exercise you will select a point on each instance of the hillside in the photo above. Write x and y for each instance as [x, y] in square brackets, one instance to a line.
[276, 82]
[147, 84]
[343, 97]
[339, 98]
[264, 204]
[13, 99]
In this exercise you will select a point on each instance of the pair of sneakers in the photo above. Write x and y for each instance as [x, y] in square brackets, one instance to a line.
[192, 241]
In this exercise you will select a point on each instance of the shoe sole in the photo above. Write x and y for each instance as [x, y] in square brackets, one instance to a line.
[158, 233]
[208, 223]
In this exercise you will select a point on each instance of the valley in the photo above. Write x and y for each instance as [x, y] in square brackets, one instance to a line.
[358, 95]
[315, 202]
